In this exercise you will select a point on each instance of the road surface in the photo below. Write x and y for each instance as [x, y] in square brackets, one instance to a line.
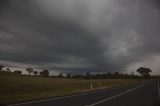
[144, 94]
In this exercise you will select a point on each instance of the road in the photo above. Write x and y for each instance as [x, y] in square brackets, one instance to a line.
[143, 94]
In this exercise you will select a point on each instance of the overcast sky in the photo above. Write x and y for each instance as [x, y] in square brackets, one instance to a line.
[79, 36]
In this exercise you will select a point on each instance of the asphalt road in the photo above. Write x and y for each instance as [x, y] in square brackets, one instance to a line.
[144, 94]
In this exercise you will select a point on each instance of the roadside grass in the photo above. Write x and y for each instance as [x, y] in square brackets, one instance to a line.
[17, 88]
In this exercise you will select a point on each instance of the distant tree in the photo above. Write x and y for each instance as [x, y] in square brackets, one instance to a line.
[116, 75]
[60, 75]
[44, 73]
[30, 70]
[69, 76]
[17, 72]
[88, 75]
[145, 72]
[35, 72]
[8, 69]
[53, 76]
[108, 75]
[1, 67]
[78, 76]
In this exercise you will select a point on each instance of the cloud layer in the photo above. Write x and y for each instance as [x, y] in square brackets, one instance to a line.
[80, 36]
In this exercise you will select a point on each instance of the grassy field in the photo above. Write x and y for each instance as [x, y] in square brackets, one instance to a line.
[15, 88]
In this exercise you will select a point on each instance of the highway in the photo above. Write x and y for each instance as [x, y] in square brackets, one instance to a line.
[143, 94]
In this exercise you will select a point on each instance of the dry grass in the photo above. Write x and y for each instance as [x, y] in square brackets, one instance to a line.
[16, 88]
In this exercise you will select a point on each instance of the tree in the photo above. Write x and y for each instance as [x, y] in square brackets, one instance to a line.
[8, 69]
[1, 67]
[44, 73]
[35, 72]
[145, 72]
[18, 72]
[116, 75]
[60, 75]
[88, 75]
[69, 76]
[30, 70]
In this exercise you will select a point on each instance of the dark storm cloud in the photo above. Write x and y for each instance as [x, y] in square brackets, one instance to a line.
[79, 35]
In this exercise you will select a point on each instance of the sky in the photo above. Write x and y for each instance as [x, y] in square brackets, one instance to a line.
[79, 36]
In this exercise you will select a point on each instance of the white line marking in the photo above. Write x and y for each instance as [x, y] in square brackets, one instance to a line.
[36, 101]
[115, 96]
[158, 90]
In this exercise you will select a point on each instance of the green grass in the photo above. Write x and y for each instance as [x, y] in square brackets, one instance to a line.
[16, 88]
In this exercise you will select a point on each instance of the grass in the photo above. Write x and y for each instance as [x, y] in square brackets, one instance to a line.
[17, 88]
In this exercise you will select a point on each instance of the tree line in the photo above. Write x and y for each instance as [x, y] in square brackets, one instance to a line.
[29, 70]
[143, 71]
